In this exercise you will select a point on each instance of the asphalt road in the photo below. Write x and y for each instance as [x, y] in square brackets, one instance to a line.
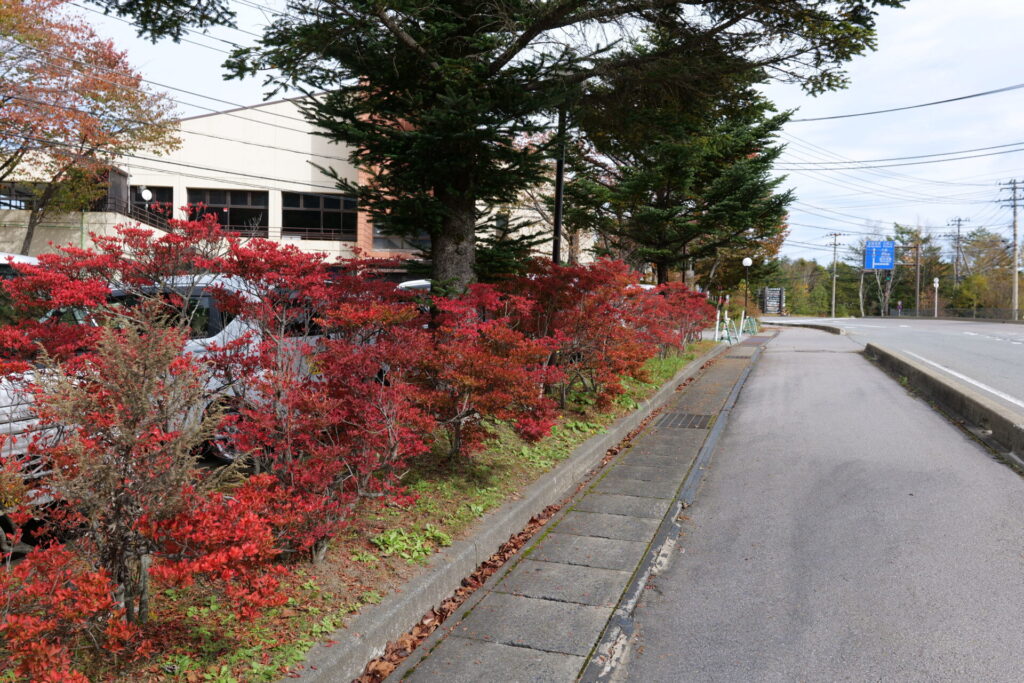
[988, 355]
[844, 531]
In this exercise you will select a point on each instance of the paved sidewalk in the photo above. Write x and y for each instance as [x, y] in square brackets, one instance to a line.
[541, 620]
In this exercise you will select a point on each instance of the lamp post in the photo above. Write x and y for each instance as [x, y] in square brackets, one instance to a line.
[935, 284]
[747, 262]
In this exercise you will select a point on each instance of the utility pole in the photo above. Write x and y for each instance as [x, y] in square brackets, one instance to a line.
[956, 251]
[917, 284]
[835, 249]
[1015, 304]
[556, 239]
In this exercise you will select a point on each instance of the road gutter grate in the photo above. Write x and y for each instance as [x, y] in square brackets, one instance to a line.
[684, 421]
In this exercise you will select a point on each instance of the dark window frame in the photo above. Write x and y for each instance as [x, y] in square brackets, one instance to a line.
[307, 216]
[163, 196]
[201, 195]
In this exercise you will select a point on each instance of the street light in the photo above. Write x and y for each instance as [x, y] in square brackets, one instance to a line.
[747, 262]
[935, 284]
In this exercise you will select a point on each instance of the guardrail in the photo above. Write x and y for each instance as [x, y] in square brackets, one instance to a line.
[141, 214]
[1002, 314]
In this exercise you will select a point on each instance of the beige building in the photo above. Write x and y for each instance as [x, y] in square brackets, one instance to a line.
[258, 169]
[255, 167]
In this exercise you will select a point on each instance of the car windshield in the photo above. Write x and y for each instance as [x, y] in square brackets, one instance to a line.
[197, 311]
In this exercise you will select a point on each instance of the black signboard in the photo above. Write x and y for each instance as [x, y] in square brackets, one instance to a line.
[773, 300]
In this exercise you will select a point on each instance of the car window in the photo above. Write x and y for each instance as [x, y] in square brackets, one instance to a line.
[201, 315]
[302, 324]
[199, 312]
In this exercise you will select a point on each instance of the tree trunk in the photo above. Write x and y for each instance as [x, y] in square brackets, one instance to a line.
[34, 218]
[142, 615]
[662, 269]
[453, 250]
[39, 211]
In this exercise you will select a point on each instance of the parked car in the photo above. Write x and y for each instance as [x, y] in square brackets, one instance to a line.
[210, 328]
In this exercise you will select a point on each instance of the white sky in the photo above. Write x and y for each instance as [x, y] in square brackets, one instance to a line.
[932, 50]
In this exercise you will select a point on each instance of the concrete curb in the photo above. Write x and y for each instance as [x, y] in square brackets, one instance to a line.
[831, 329]
[993, 422]
[612, 648]
[367, 635]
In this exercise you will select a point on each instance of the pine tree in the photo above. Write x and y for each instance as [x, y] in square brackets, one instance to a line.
[686, 177]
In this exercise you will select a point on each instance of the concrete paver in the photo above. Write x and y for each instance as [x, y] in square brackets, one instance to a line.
[554, 604]
[540, 624]
[607, 526]
[605, 553]
[675, 471]
[628, 506]
[466, 660]
[636, 487]
[565, 583]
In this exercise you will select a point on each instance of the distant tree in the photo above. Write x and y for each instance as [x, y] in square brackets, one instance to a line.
[505, 247]
[989, 256]
[724, 270]
[70, 104]
[799, 277]
[432, 96]
[972, 292]
[885, 287]
[820, 298]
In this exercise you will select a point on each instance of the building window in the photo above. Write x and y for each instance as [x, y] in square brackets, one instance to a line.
[385, 242]
[19, 196]
[241, 211]
[162, 196]
[318, 216]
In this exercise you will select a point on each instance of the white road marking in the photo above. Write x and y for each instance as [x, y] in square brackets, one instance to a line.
[904, 325]
[991, 390]
[1017, 343]
[972, 334]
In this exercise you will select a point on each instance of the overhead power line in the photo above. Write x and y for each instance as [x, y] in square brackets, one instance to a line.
[918, 156]
[304, 152]
[912, 106]
[64, 58]
[806, 167]
[829, 155]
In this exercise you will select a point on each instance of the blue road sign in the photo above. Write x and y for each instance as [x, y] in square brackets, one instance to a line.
[879, 255]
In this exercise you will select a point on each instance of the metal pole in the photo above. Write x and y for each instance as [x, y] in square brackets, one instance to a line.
[935, 284]
[1016, 253]
[835, 247]
[556, 246]
[746, 289]
[917, 284]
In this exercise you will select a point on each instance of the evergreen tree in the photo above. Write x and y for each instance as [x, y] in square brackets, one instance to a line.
[434, 97]
[684, 179]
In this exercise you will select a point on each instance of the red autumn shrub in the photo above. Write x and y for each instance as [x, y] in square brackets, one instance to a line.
[62, 301]
[317, 415]
[479, 366]
[221, 539]
[669, 315]
[131, 422]
[584, 312]
[53, 607]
